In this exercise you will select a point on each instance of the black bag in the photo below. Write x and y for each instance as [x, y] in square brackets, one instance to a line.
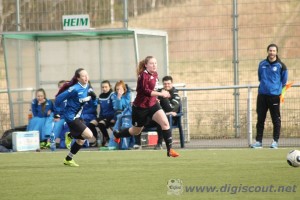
[3, 149]
[6, 139]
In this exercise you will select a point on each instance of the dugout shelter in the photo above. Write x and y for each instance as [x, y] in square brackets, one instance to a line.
[41, 59]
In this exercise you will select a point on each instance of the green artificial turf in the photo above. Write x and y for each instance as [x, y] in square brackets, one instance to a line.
[231, 173]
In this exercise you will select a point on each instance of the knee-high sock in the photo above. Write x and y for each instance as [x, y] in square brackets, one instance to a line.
[92, 127]
[137, 139]
[159, 135]
[167, 134]
[103, 130]
[122, 133]
[74, 149]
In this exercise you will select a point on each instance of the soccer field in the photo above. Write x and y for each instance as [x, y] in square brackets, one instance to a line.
[198, 174]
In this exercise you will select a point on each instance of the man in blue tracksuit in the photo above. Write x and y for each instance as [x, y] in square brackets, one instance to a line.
[272, 75]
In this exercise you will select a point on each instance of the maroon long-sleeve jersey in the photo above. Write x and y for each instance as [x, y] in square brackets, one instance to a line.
[145, 85]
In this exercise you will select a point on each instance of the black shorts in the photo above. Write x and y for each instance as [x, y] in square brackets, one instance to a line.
[140, 115]
[77, 127]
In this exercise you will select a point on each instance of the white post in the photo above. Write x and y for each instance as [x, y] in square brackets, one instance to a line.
[112, 11]
[249, 114]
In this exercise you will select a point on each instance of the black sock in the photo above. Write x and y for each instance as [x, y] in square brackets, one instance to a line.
[167, 134]
[92, 127]
[123, 133]
[160, 137]
[70, 136]
[74, 149]
[137, 139]
[103, 130]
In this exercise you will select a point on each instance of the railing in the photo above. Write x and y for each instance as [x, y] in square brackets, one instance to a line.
[18, 103]
[189, 93]
[208, 114]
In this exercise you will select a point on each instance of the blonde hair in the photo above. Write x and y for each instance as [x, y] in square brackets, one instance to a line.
[142, 63]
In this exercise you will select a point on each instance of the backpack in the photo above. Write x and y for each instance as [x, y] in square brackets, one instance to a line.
[6, 139]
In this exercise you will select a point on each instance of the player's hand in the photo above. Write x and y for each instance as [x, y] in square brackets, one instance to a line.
[120, 92]
[92, 94]
[41, 101]
[165, 94]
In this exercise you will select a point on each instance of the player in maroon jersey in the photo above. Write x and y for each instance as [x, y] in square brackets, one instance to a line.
[146, 105]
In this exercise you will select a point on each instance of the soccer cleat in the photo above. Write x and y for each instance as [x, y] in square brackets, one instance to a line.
[172, 153]
[47, 145]
[70, 163]
[158, 147]
[256, 145]
[274, 145]
[116, 134]
[117, 140]
[68, 140]
[43, 145]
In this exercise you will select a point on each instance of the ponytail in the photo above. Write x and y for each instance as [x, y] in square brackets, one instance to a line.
[142, 63]
[70, 83]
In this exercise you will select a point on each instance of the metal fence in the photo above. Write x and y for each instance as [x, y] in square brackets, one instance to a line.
[211, 119]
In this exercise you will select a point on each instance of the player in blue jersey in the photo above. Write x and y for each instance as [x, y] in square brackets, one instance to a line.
[272, 76]
[121, 97]
[77, 93]
[106, 114]
[42, 110]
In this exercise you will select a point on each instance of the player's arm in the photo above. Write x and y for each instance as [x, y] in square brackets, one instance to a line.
[175, 102]
[63, 96]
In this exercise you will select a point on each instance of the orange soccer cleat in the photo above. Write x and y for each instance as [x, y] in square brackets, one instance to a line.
[172, 153]
[117, 140]
[116, 134]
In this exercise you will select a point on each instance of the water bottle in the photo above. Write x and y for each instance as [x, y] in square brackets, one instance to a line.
[52, 142]
[29, 115]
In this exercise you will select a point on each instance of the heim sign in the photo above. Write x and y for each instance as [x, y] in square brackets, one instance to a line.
[75, 22]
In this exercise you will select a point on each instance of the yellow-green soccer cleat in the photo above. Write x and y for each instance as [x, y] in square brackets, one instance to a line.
[70, 163]
[47, 145]
[68, 140]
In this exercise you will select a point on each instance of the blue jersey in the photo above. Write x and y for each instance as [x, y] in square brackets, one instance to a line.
[106, 106]
[76, 96]
[60, 109]
[272, 77]
[121, 104]
[38, 110]
[89, 111]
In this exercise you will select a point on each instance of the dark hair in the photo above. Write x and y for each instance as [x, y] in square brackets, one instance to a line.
[167, 78]
[272, 45]
[142, 64]
[106, 82]
[72, 82]
[60, 82]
